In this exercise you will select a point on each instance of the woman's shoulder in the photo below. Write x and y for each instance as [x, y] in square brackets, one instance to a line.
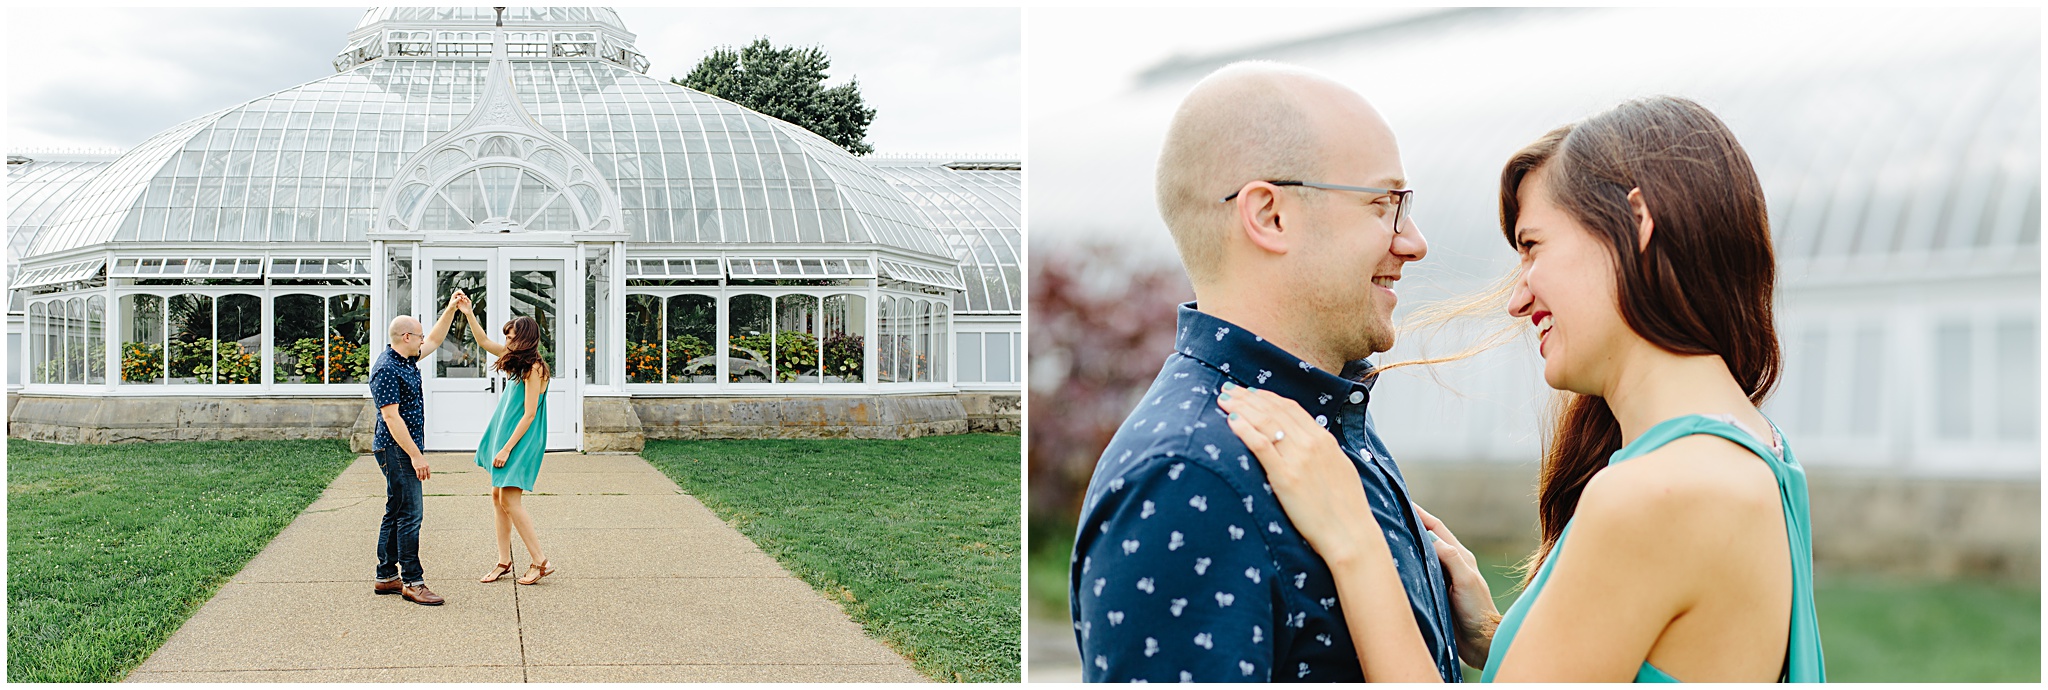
[1691, 491]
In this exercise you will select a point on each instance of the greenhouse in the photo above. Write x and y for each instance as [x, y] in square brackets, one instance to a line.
[697, 268]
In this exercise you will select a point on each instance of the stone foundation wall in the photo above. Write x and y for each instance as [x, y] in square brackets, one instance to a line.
[1862, 522]
[180, 418]
[994, 413]
[889, 417]
[610, 424]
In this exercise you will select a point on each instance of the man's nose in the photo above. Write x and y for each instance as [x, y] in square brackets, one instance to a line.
[1410, 245]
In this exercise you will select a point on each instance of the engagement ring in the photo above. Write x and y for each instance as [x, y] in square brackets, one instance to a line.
[1278, 436]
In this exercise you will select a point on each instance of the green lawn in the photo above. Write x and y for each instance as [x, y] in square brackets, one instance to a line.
[111, 548]
[1872, 629]
[916, 540]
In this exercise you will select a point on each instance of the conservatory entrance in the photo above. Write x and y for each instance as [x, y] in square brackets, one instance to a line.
[459, 383]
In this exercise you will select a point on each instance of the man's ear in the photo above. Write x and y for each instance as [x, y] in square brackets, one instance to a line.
[1645, 225]
[1264, 217]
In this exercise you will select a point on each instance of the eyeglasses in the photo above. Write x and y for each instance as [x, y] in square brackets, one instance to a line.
[421, 336]
[1404, 199]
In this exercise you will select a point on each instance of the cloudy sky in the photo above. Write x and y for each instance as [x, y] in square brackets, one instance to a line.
[943, 80]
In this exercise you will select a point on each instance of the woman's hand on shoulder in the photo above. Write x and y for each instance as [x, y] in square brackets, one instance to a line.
[1316, 483]
[1471, 598]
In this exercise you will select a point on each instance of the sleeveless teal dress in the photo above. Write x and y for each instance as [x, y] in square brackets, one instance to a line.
[523, 465]
[1803, 663]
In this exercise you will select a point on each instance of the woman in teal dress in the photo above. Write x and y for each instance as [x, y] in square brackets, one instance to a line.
[1647, 272]
[515, 441]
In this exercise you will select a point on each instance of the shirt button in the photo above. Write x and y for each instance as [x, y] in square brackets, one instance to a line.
[1325, 421]
[1357, 397]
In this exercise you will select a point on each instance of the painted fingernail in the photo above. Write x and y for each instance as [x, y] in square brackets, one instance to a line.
[1229, 386]
[1226, 396]
[1233, 416]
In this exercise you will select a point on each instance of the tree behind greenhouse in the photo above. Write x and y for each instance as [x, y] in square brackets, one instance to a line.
[787, 84]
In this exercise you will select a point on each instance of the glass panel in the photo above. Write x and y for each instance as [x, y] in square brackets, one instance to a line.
[296, 333]
[460, 357]
[74, 340]
[1866, 393]
[348, 339]
[643, 338]
[191, 341]
[796, 339]
[937, 340]
[1813, 380]
[597, 316]
[1000, 358]
[906, 341]
[846, 325]
[95, 340]
[923, 342]
[240, 355]
[142, 348]
[497, 190]
[536, 293]
[970, 357]
[398, 280]
[692, 329]
[885, 341]
[751, 344]
[1952, 394]
[40, 368]
[2019, 391]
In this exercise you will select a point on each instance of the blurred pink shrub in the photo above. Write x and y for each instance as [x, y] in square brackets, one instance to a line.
[1102, 323]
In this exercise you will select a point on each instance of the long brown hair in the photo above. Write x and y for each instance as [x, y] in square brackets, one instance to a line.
[522, 348]
[1702, 285]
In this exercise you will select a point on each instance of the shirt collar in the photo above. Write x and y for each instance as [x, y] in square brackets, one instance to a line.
[1252, 361]
[392, 352]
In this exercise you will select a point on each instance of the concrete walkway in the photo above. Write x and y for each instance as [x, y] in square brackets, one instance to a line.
[649, 587]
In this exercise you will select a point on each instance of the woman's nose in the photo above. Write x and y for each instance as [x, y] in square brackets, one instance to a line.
[1523, 303]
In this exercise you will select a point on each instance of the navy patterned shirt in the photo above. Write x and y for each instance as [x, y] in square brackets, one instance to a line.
[395, 379]
[1185, 568]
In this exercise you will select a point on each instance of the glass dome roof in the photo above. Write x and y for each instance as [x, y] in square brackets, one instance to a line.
[977, 207]
[312, 164]
[486, 16]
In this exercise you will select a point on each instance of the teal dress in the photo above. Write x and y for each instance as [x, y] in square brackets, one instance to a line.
[524, 463]
[1803, 662]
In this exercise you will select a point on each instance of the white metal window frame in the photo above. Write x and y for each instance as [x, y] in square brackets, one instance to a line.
[62, 273]
[723, 295]
[269, 387]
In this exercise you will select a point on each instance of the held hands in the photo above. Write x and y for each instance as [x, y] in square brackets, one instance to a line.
[1471, 598]
[461, 302]
[1315, 481]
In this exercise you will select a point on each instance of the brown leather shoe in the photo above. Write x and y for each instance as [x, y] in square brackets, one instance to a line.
[391, 587]
[422, 596]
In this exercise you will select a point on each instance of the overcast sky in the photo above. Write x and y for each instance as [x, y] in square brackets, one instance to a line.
[942, 80]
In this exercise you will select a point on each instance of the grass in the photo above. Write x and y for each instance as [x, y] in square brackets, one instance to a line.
[1872, 629]
[916, 540]
[111, 548]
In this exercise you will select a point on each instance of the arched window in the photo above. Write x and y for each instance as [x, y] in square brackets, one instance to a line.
[843, 352]
[750, 339]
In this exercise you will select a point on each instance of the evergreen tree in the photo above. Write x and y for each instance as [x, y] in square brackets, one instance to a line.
[787, 84]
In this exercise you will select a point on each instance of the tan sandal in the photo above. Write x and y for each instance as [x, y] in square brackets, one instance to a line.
[536, 571]
[502, 570]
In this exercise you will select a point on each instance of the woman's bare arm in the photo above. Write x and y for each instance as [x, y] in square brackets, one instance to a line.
[1319, 489]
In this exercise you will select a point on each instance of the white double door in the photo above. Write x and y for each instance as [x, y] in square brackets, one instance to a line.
[462, 388]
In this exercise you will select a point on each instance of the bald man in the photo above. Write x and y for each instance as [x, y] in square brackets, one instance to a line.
[1284, 192]
[401, 430]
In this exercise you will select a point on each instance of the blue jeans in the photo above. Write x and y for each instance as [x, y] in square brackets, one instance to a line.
[398, 539]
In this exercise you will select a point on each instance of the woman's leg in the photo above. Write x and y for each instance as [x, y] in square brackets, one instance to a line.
[503, 522]
[516, 510]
